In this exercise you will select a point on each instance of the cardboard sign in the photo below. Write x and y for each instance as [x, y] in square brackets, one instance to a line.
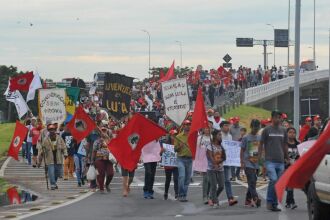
[233, 150]
[52, 105]
[176, 99]
[169, 157]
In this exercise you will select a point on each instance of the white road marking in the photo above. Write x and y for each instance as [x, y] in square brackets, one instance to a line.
[4, 166]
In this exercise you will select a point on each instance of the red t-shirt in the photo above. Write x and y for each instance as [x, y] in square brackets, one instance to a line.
[35, 135]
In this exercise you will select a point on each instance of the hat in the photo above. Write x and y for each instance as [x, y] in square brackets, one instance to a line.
[236, 119]
[316, 118]
[308, 119]
[284, 116]
[264, 122]
[186, 122]
[173, 132]
[224, 123]
[276, 113]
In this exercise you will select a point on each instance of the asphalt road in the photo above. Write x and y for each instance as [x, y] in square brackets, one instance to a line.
[114, 206]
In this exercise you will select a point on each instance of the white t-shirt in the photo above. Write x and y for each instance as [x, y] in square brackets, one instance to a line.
[28, 138]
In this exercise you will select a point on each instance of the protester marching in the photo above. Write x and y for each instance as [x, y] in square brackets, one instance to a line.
[169, 122]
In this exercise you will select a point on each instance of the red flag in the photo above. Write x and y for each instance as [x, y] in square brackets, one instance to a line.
[161, 74]
[169, 75]
[81, 124]
[17, 141]
[297, 175]
[13, 196]
[303, 132]
[199, 120]
[21, 82]
[127, 146]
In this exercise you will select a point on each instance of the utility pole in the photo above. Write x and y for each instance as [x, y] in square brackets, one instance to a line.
[314, 58]
[296, 106]
[149, 49]
[288, 63]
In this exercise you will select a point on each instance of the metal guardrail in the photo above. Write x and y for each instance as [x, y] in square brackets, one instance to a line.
[258, 93]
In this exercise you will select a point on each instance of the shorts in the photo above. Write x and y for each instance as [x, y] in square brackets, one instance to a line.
[35, 150]
[125, 172]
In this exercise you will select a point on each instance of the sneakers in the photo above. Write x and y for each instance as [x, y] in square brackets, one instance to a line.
[182, 199]
[79, 184]
[233, 179]
[165, 196]
[148, 195]
[291, 206]
[273, 208]
[108, 188]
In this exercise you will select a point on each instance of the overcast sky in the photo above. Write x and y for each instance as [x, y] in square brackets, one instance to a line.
[76, 38]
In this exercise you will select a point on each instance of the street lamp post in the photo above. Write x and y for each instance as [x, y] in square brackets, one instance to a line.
[314, 58]
[274, 39]
[296, 101]
[149, 50]
[267, 54]
[180, 43]
[288, 61]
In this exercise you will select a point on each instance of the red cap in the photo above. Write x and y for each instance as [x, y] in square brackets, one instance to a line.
[236, 119]
[316, 118]
[173, 132]
[264, 122]
[186, 122]
[308, 119]
[284, 116]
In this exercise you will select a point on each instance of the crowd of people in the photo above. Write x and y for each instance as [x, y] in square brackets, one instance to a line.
[268, 148]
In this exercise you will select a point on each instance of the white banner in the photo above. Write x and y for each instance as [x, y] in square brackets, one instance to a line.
[52, 105]
[169, 156]
[176, 100]
[233, 150]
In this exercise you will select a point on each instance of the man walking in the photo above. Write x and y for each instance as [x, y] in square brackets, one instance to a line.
[53, 150]
[274, 141]
[184, 161]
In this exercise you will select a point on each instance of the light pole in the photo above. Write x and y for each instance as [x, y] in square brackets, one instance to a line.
[267, 54]
[310, 47]
[314, 59]
[274, 39]
[149, 50]
[296, 98]
[180, 43]
[289, 14]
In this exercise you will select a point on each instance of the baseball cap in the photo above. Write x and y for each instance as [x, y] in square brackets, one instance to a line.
[173, 132]
[308, 119]
[186, 122]
[276, 113]
[316, 118]
[284, 116]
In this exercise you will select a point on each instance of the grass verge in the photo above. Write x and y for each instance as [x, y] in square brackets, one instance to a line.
[6, 134]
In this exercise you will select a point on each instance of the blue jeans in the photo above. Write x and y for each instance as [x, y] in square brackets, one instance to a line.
[229, 191]
[184, 168]
[28, 151]
[274, 171]
[79, 166]
[54, 172]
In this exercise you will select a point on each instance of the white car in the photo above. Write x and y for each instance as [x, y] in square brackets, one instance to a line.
[318, 191]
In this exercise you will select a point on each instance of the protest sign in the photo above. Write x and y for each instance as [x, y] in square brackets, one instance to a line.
[51, 105]
[117, 94]
[233, 150]
[176, 100]
[169, 156]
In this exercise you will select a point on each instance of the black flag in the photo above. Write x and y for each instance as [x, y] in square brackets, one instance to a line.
[117, 94]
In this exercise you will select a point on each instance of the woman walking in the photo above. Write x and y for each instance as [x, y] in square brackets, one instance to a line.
[249, 162]
[215, 171]
[200, 162]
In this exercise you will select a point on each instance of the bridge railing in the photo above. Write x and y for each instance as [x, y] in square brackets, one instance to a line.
[257, 93]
